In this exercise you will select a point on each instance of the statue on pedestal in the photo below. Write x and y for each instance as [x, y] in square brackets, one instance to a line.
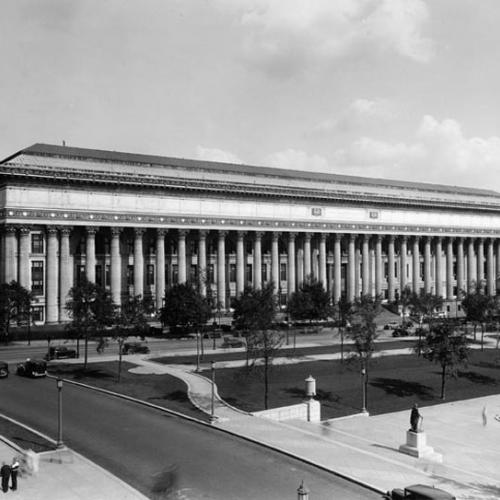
[415, 418]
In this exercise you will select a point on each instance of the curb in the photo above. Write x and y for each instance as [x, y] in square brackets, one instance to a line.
[84, 459]
[231, 433]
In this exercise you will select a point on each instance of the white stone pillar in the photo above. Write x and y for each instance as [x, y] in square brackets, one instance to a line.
[337, 268]
[378, 265]
[439, 267]
[427, 265]
[202, 261]
[52, 292]
[480, 263]
[365, 263]
[10, 263]
[402, 262]
[240, 262]
[490, 274]
[181, 255]
[90, 259]
[65, 272]
[221, 269]
[460, 266]
[471, 270]
[160, 267]
[291, 264]
[138, 262]
[449, 268]
[275, 262]
[24, 257]
[307, 256]
[300, 264]
[257, 261]
[322, 261]
[416, 264]
[351, 272]
[390, 268]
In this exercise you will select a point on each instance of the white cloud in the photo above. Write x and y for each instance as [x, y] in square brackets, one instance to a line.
[287, 36]
[440, 153]
[296, 160]
[214, 154]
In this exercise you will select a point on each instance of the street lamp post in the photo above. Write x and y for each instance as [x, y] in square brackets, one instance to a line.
[363, 384]
[60, 443]
[197, 352]
[212, 412]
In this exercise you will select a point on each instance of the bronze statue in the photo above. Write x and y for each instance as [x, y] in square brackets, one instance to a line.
[415, 418]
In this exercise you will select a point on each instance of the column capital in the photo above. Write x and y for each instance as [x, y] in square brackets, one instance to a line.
[276, 235]
[438, 239]
[116, 231]
[307, 236]
[182, 233]
[222, 233]
[65, 230]
[366, 237]
[292, 236]
[352, 237]
[338, 236]
[91, 230]
[139, 231]
[10, 228]
[258, 235]
[203, 233]
[240, 234]
[24, 230]
[322, 237]
[416, 238]
[451, 239]
[403, 238]
[52, 230]
[161, 232]
[391, 238]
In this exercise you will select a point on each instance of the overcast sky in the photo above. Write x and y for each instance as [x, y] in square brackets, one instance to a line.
[402, 89]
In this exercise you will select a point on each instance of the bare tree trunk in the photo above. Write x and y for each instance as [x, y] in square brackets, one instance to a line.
[120, 354]
[266, 380]
[482, 336]
[443, 381]
[86, 352]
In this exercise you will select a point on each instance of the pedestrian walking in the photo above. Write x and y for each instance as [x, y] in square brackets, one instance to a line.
[14, 470]
[5, 473]
[485, 416]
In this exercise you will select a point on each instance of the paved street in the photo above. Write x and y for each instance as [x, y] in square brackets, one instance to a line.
[135, 443]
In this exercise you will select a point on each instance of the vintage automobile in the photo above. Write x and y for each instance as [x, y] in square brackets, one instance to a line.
[135, 348]
[233, 342]
[4, 369]
[420, 492]
[32, 368]
[60, 352]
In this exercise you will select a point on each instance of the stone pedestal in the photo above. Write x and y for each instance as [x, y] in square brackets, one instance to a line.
[416, 446]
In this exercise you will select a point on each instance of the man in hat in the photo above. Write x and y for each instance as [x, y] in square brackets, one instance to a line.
[5, 474]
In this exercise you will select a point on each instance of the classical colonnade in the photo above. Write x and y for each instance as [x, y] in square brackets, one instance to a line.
[227, 260]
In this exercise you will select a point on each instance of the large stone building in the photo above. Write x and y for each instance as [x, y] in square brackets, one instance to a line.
[137, 224]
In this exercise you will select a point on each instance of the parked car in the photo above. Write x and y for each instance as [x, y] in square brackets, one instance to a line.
[420, 492]
[233, 342]
[60, 352]
[32, 368]
[135, 348]
[400, 332]
[4, 369]
[391, 325]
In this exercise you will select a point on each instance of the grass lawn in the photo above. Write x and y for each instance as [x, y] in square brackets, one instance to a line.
[162, 390]
[23, 437]
[395, 383]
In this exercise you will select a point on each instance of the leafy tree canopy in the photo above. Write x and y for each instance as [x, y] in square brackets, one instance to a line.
[310, 302]
[255, 309]
[363, 328]
[478, 306]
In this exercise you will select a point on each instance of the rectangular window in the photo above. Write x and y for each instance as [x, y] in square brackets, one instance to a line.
[37, 277]
[232, 273]
[98, 275]
[395, 270]
[210, 273]
[37, 313]
[107, 278]
[80, 274]
[264, 273]
[386, 270]
[421, 268]
[107, 246]
[175, 273]
[283, 272]
[130, 275]
[193, 273]
[37, 243]
[249, 274]
[150, 274]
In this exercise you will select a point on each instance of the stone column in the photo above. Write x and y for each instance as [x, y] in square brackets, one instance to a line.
[240, 262]
[460, 266]
[427, 265]
[480, 263]
[378, 265]
[307, 256]
[52, 292]
[257, 261]
[322, 261]
[90, 260]
[65, 272]
[221, 269]
[10, 262]
[449, 268]
[471, 271]
[138, 262]
[337, 266]
[497, 270]
[365, 263]
[291, 264]
[390, 268]
[416, 264]
[202, 261]
[181, 255]
[160, 267]
[402, 262]
[275, 262]
[357, 269]
[300, 264]
[490, 274]
[351, 263]
[116, 266]
[439, 267]
[24, 257]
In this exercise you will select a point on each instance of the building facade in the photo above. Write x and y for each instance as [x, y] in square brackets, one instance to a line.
[137, 224]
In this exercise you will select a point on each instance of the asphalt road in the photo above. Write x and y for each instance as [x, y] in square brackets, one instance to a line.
[138, 444]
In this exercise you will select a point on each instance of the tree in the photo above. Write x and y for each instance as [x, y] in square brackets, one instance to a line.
[344, 308]
[310, 302]
[478, 307]
[185, 308]
[363, 331]
[15, 304]
[91, 311]
[405, 300]
[131, 320]
[446, 347]
[254, 312]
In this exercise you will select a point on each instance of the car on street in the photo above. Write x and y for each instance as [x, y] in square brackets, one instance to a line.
[233, 342]
[391, 325]
[4, 369]
[135, 348]
[60, 352]
[32, 368]
[420, 492]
